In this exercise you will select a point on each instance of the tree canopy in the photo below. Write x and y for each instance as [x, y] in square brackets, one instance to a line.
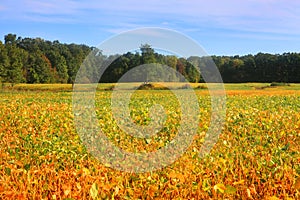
[35, 60]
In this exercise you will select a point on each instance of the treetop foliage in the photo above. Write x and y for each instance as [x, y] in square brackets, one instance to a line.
[35, 60]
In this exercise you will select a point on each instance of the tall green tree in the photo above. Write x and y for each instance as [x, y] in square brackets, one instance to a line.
[39, 69]
[59, 65]
[4, 63]
[148, 56]
[14, 71]
[10, 39]
[249, 68]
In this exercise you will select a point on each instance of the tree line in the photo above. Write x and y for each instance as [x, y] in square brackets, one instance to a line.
[35, 60]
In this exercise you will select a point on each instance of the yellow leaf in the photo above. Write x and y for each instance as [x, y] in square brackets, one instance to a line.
[86, 171]
[241, 182]
[94, 191]
[78, 186]
[220, 187]
[273, 198]
[116, 190]
[66, 192]
[249, 193]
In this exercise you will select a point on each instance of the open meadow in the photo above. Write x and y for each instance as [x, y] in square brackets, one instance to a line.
[257, 155]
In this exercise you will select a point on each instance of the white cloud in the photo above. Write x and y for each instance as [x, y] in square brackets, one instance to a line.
[269, 16]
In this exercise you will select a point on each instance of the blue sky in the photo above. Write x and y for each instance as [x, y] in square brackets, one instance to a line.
[227, 27]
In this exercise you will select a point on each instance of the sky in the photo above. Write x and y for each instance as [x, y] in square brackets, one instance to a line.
[221, 27]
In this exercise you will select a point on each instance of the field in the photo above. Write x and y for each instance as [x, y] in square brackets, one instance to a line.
[256, 157]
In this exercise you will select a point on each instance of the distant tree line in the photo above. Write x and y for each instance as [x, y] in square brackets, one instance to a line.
[262, 67]
[28, 60]
[35, 60]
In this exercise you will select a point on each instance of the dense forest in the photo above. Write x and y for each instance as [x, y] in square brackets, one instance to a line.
[35, 60]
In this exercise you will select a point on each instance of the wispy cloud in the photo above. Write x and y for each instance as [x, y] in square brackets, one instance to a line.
[249, 15]
[276, 16]
[249, 19]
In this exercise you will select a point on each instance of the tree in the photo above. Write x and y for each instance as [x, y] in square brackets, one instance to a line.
[59, 65]
[4, 63]
[35, 60]
[180, 66]
[39, 69]
[10, 39]
[294, 68]
[266, 67]
[14, 71]
[148, 56]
